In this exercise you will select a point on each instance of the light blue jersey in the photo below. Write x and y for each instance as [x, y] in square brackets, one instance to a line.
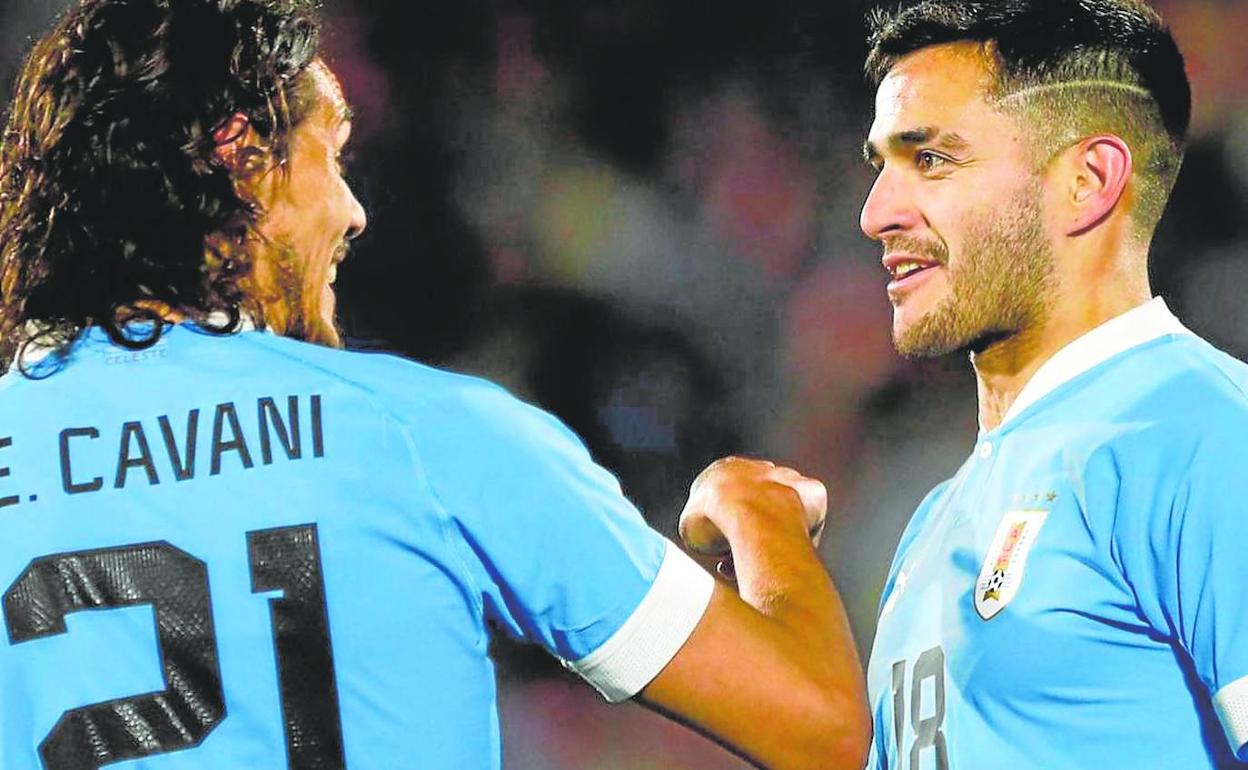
[1076, 596]
[250, 552]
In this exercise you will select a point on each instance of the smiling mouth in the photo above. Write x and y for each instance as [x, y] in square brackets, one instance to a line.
[340, 255]
[904, 270]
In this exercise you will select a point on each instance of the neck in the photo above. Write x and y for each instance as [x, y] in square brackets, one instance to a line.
[1003, 369]
[163, 311]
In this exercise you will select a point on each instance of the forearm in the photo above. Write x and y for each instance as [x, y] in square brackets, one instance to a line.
[773, 671]
[780, 576]
[776, 567]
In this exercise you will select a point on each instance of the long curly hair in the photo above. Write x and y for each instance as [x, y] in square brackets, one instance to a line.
[111, 202]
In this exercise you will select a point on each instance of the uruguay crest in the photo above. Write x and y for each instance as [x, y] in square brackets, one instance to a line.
[1002, 573]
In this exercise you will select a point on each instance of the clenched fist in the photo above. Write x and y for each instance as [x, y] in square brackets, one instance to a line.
[733, 488]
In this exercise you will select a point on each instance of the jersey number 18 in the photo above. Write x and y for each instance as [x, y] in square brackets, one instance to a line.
[928, 734]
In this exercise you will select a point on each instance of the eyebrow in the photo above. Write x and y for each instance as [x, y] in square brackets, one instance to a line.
[945, 140]
[344, 116]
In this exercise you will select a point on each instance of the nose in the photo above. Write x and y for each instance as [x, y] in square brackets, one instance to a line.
[359, 220]
[890, 206]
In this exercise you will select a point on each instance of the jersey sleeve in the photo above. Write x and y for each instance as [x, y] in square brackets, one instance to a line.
[1184, 558]
[554, 550]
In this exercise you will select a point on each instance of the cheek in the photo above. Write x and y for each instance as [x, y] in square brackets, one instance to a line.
[328, 214]
[963, 224]
[322, 195]
[976, 197]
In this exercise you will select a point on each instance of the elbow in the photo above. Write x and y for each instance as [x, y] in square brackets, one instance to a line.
[846, 736]
[841, 717]
[853, 745]
[835, 735]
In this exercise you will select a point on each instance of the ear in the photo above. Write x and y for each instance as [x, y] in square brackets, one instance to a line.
[1102, 169]
[238, 146]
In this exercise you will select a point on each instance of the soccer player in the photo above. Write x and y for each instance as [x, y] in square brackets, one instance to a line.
[1074, 596]
[225, 547]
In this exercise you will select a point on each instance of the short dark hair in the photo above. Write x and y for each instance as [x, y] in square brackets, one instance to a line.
[108, 185]
[1086, 66]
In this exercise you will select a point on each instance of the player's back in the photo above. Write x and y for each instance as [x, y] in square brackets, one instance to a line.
[222, 552]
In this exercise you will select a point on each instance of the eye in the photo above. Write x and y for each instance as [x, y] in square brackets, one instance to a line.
[928, 160]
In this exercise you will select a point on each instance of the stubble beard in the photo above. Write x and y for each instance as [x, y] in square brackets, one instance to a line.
[1000, 285]
[301, 305]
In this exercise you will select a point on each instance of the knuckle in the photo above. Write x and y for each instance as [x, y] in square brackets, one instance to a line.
[725, 468]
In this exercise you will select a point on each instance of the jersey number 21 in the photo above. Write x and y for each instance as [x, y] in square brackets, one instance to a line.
[175, 583]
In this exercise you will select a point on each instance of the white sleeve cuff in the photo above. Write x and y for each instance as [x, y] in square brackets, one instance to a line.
[1231, 703]
[654, 633]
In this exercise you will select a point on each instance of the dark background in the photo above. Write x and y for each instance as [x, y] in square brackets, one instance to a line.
[642, 215]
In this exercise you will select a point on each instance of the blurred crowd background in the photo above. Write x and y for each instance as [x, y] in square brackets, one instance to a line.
[642, 215]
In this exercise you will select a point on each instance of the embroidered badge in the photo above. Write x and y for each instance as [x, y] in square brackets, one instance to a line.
[1002, 573]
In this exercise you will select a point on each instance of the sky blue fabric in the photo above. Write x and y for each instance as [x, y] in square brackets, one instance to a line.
[1131, 608]
[437, 505]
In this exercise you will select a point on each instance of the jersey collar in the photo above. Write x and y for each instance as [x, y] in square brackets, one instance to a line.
[35, 353]
[1135, 327]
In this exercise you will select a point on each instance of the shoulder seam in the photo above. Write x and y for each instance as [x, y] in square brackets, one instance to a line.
[312, 365]
[1206, 364]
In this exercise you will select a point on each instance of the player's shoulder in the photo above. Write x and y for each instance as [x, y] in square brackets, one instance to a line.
[389, 377]
[1175, 402]
[1216, 366]
[1178, 450]
[371, 369]
[414, 392]
[1196, 385]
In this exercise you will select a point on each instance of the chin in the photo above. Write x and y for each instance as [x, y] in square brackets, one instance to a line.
[324, 332]
[909, 342]
[319, 324]
[918, 352]
[921, 340]
[314, 326]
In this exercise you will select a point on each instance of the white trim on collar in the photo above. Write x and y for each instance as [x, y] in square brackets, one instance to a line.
[1135, 327]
